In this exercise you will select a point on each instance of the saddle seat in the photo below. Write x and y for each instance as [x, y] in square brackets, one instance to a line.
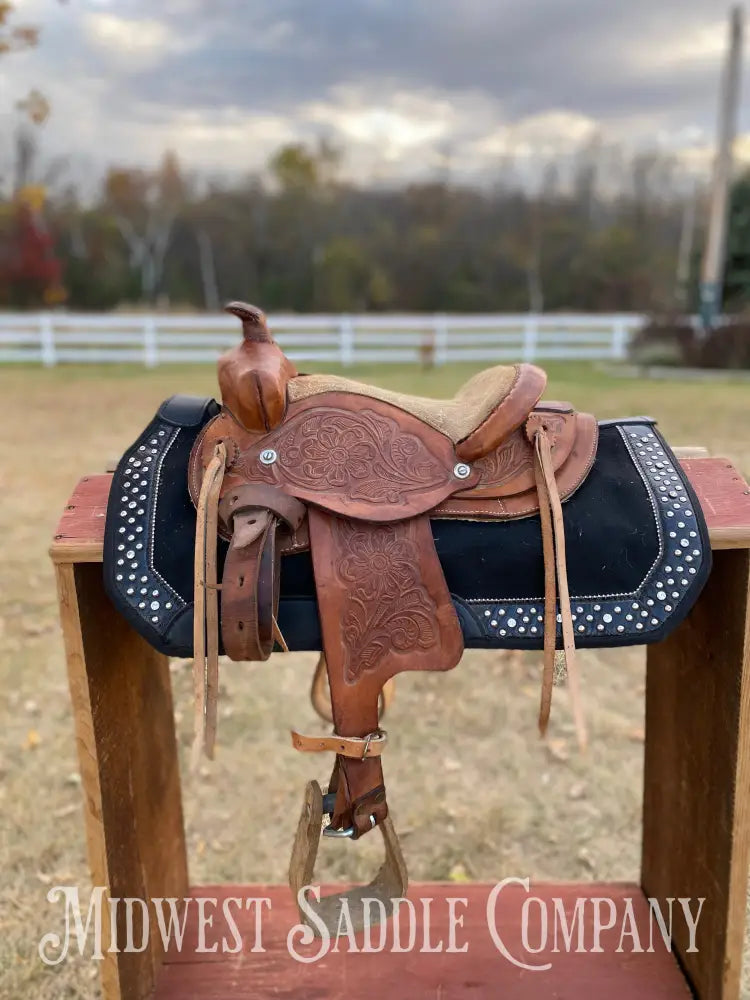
[486, 408]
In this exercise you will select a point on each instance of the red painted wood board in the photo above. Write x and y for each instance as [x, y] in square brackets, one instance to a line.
[480, 971]
[723, 493]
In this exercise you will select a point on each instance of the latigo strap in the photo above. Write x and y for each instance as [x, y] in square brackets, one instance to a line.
[206, 617]
[555, 579]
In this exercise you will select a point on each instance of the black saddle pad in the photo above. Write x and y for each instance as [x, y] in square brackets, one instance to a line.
[637, 548]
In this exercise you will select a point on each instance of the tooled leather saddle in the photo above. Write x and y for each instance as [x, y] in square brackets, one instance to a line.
[391, 531]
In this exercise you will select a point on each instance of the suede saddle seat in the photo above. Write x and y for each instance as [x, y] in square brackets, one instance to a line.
[490, 422]
[483, 412]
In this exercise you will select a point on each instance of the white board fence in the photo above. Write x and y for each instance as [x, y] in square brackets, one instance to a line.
[151, 339]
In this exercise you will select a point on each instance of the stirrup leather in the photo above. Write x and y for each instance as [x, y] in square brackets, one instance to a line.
[320, 695]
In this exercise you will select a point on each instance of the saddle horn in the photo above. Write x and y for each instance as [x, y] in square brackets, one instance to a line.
[253, 376]
[254, 324]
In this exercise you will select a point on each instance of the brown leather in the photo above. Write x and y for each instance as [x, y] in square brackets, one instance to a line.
[542, 446]
[253, 376]
[249, 591]
[504, 485]
[508, 470]
[526, 392]
[251, 496]
[386, 608]
[361, 459]
[251, 514]
[206, 610]
[320, 695]
[356, 747]
[550, 595]
[512, 466]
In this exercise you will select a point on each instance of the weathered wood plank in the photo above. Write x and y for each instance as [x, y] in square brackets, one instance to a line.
[724, 496]
[723, 493]
[122, 705]
[697, 772]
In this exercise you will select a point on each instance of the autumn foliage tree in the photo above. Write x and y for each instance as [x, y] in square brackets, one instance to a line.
[14, 36]
[30, 273]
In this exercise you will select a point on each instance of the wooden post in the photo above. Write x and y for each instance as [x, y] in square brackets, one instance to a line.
[47, 340]
[620, 339]
[530, 336]
[122, 705]
[427, 345]
[685, 250]
[346, 340]
[697, 774]
[150, 342]
[441, 339]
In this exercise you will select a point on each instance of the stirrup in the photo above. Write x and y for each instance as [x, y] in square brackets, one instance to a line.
[388, 886]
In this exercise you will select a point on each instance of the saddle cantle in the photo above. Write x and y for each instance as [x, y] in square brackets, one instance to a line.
[391, 531]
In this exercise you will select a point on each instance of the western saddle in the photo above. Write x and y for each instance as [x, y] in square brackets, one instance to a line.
[356, 473]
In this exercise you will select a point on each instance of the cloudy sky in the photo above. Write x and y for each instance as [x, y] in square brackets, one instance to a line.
[405, 86]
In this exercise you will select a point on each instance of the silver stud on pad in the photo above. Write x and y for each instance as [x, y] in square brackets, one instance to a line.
[639, 611]
[139, 510]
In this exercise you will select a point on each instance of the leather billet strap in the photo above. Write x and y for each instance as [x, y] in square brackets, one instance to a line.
[206, 610]
[555, 580]
[250, 584]
[384, 608]
[356, 747]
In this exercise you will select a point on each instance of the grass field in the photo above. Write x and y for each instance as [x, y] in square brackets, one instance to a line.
[488, 802]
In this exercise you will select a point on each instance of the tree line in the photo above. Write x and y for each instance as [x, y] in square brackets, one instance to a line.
[300, 237]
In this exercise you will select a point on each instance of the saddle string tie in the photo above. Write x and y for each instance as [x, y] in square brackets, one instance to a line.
[555, 581]
[206, 609]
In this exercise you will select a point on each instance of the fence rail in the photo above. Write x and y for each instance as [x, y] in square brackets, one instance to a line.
[52, 338]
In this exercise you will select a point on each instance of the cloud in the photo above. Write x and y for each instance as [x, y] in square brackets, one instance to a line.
[401, 84]
[134, 44]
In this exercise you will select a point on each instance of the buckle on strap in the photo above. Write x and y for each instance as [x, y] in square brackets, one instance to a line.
[329, 803]
[355, 747]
